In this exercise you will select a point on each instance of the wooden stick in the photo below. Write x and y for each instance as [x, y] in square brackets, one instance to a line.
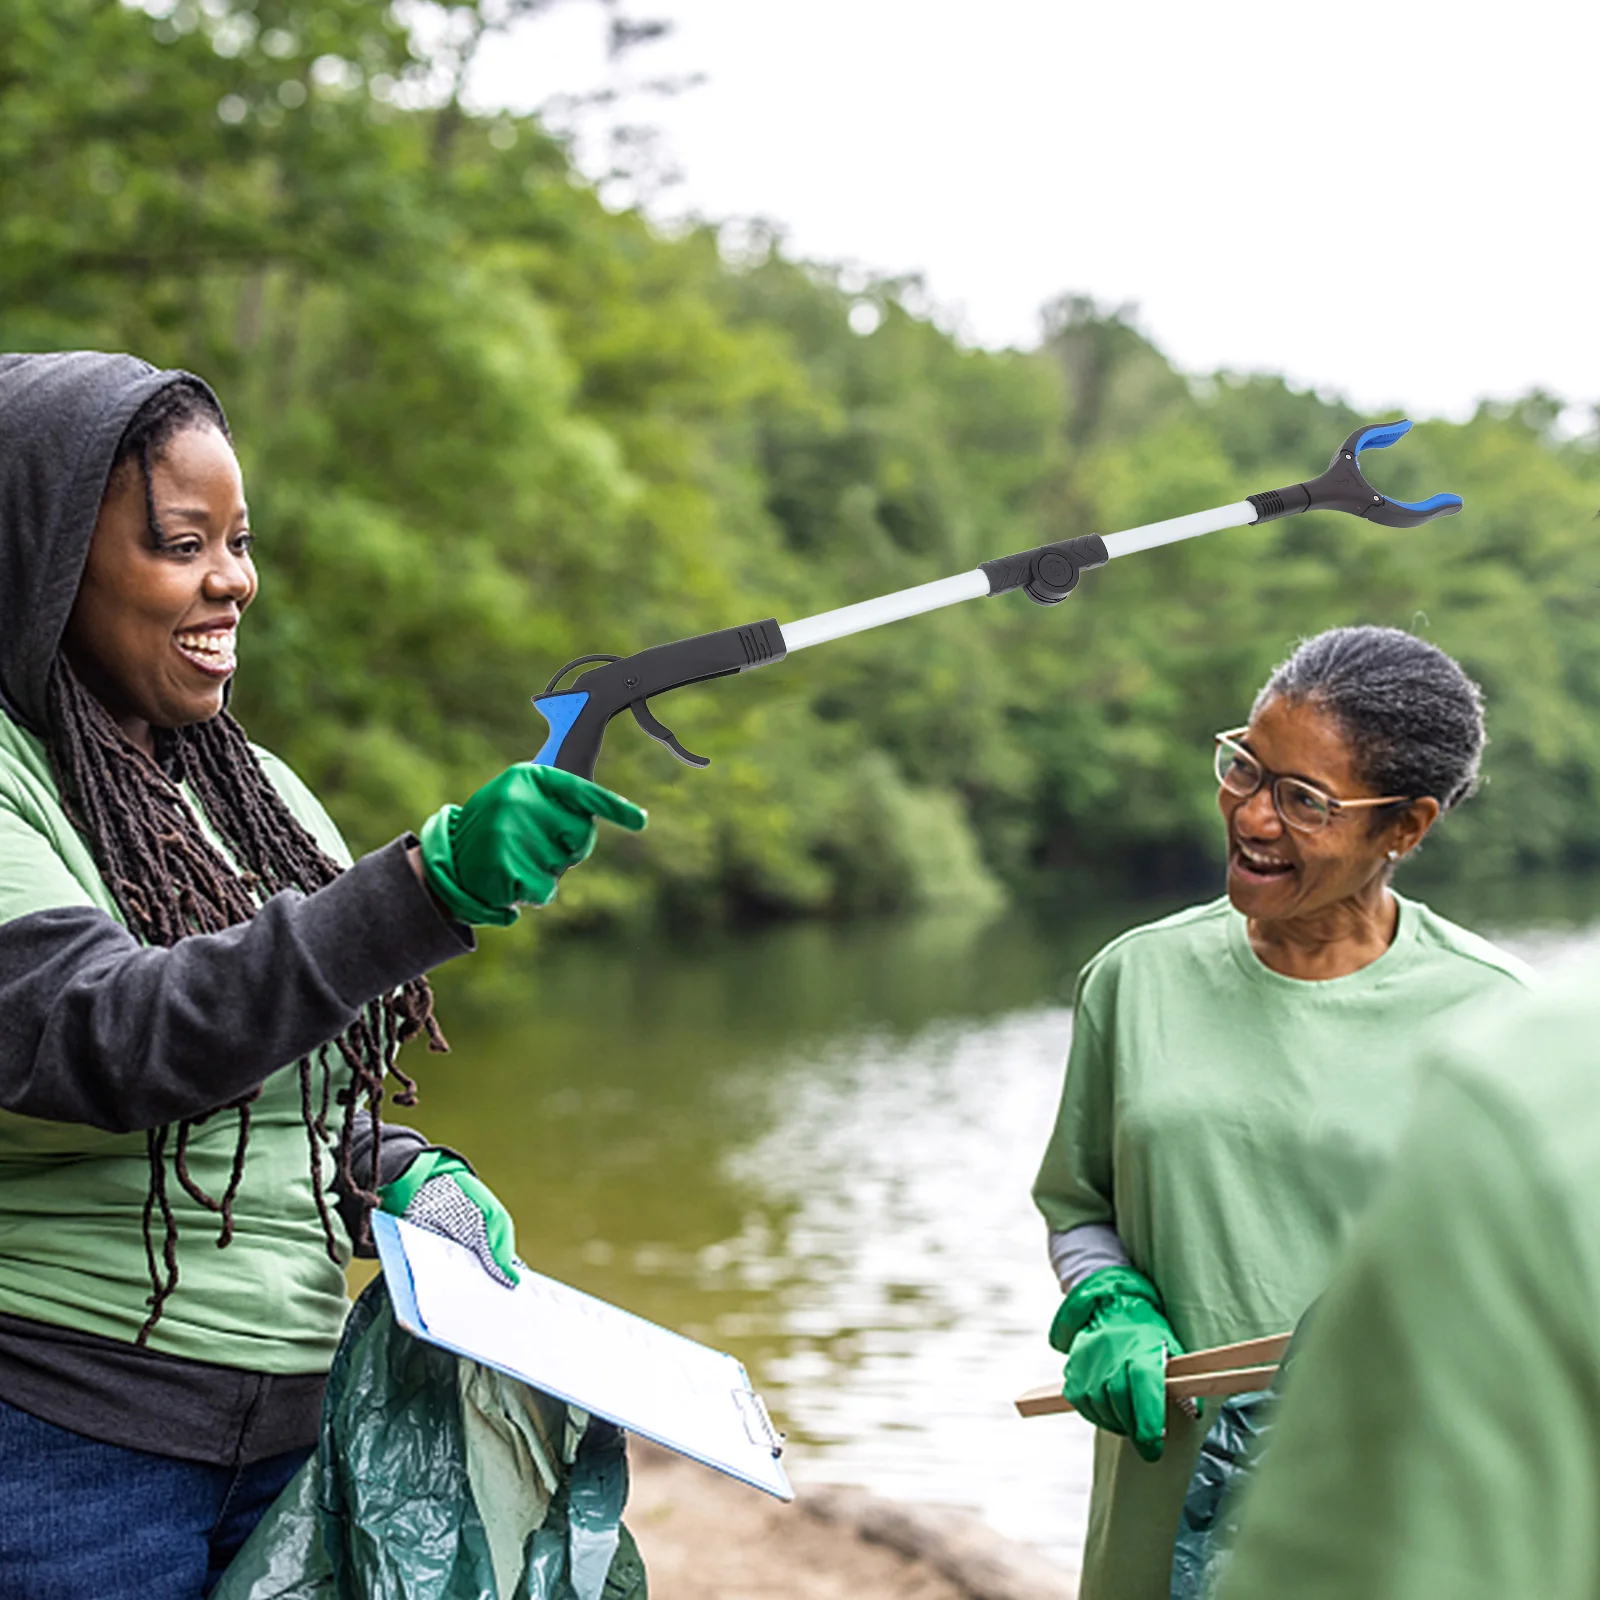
[1225, 1357]
[1045, 1401]
[1239, 1380]
[1222, 1370]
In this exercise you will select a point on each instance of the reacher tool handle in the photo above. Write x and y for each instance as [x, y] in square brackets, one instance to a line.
[1343, 488]
[577, 717]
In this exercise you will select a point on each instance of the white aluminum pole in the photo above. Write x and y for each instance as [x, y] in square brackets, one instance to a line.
[1175, 528]
[974, 585]
[886, 608]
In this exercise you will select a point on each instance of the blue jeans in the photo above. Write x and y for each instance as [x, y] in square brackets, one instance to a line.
[79, 1518]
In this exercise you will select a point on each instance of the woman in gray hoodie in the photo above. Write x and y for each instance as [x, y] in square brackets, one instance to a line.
[201, 997]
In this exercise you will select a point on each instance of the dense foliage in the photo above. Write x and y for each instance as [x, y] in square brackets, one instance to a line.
[488, 425]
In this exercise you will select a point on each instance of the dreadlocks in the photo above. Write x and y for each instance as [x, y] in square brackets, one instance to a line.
[169, 881]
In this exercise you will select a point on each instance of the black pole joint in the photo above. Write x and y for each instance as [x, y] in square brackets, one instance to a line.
[1051, 572]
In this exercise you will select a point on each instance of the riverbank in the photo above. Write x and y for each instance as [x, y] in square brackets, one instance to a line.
[705, 1537]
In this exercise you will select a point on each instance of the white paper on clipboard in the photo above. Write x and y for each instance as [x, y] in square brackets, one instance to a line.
[647, 1379]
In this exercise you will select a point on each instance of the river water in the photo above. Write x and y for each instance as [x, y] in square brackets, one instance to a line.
[813, 1147]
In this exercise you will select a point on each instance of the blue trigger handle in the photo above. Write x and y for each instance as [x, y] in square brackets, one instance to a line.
[1343, 488]
[578, 716]
[560, 711]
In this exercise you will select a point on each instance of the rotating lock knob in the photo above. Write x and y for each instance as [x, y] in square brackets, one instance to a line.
[1054, 577]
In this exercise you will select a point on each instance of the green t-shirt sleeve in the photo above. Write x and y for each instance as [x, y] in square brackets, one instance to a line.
[1074, 1185]
[1437, 1438]
[33, 877]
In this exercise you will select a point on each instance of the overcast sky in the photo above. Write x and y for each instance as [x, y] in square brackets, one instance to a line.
[1398, 203]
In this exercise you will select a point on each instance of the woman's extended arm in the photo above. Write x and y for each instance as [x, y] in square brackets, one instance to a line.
[96, 1028]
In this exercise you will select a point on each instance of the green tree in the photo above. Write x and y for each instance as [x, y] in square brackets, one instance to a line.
[490, 424]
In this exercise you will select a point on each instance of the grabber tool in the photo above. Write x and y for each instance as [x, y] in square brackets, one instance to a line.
[578, 715]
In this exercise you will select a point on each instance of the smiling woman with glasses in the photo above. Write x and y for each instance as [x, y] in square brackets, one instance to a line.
[1239, 1071]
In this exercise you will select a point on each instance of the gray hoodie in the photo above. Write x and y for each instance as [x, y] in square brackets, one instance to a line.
[61, 419]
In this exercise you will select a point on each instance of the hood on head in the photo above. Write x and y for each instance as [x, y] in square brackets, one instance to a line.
[62, 417]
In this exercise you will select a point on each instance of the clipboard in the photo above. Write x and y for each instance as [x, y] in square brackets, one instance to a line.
[646, 1379]
[1222, 1370]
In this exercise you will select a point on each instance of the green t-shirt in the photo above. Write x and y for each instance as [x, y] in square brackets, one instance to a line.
[1440, 1436]
[1230, 1123]
[72, 1197]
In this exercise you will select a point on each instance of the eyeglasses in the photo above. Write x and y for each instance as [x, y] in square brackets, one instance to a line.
[1301, 805]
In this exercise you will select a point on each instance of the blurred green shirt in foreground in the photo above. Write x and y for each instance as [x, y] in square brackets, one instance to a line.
[1440, 1435]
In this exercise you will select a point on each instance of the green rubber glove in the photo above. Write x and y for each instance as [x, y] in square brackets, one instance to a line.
[440, 1192]
[1116, 1341]
[510, 842]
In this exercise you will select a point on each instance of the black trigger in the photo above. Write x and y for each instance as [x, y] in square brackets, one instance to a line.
[662, 734]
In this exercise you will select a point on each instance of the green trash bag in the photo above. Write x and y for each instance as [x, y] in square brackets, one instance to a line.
[1229, 1455]
[439, 1479]
[1207, 1524]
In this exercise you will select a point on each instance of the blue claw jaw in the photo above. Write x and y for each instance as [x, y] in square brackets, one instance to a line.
[1394, 513]
[1343, 488]
[1378, 437]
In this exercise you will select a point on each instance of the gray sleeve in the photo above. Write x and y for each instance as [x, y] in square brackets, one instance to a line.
[96, 1028]
[1089, 1248]
[401, 1146]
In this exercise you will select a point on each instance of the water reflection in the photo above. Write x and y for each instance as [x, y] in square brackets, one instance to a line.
[813, 1147]
[920, 1292]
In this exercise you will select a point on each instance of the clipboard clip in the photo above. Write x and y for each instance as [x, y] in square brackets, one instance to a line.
[757, 1423]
